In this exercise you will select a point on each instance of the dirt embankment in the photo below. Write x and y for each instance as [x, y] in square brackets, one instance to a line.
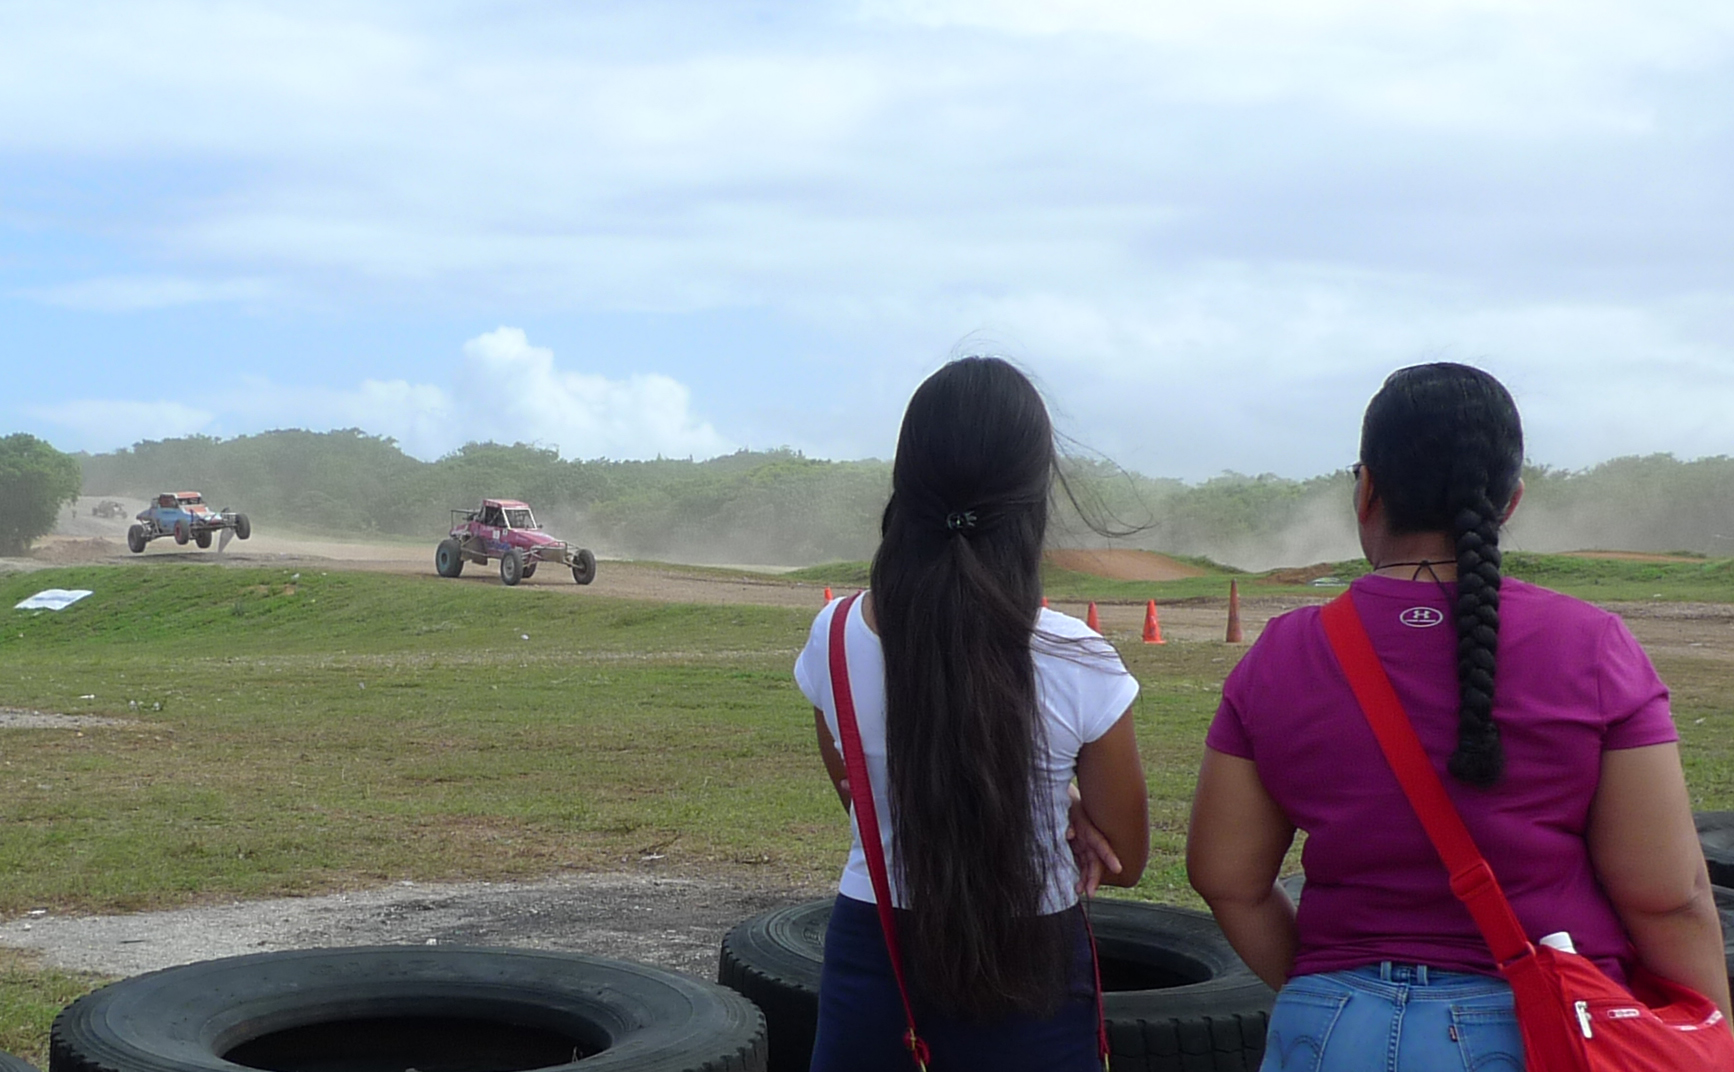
[1118, 564]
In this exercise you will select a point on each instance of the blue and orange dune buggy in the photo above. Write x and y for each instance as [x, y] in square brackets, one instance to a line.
[184, 515]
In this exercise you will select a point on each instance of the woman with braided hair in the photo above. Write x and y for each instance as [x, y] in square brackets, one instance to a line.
[1542, 714]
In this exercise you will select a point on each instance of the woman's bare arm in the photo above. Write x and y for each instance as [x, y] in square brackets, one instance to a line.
[1234, 849]
[1645, 851]
[1116, 799]
[833, 757]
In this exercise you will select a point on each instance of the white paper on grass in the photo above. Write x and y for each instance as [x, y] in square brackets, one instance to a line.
[53, 599]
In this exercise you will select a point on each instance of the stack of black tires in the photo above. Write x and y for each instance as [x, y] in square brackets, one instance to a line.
[1177, 1000]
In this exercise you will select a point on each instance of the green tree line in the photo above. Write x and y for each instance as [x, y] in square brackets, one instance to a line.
[779, 507]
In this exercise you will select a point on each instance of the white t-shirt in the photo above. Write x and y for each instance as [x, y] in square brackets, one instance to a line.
[1082, 689]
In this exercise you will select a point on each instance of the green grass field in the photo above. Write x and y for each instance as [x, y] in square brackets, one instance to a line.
[300, 732]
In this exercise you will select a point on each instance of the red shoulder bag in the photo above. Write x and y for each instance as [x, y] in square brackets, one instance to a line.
[1573, 1017]
[867, 822]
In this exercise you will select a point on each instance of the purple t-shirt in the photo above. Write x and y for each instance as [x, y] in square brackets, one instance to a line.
[1571, 683]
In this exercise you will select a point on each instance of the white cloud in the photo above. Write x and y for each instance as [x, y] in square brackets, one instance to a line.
[504, 390]
[518, 392]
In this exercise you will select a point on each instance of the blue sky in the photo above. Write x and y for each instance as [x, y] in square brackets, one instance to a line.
[648, 227]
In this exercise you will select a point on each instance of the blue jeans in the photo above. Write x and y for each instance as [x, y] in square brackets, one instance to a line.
[861, 1020]
[1394, 1018]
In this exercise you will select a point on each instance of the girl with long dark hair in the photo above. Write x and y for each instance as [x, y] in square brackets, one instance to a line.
[1545, 721]
[977, 710]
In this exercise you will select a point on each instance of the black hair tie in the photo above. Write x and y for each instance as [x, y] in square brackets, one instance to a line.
[960, 521]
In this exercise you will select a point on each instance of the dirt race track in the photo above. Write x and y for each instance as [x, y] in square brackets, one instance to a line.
[1700, 629]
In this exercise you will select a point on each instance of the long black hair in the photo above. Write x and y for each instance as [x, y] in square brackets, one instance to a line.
[1444, 445]
[957, 590]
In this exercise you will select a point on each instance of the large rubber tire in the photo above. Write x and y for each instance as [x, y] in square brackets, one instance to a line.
[448, 558]
[203, 539]
[584, 570]
[135, 539]
[1716, 836]
[458, 1008]
[9, 1063]
[511, 567]
[529, 571]
[181, 534]
[1177, 996]
[243, 527]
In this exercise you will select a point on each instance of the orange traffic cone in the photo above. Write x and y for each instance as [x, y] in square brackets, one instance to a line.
[1092, 619]
[1152, 627]
[828, 595]
[1044, 602]
[1233, 612]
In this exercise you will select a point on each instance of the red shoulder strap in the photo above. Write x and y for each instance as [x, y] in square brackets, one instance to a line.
[866, 817]
[1471, 879]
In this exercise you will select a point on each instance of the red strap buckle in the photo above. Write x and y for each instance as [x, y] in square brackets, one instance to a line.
[1473, 881]
[1528, 951]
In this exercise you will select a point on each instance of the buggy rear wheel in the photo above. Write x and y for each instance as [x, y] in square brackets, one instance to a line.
[135, 539]
[448, 558]
[181, 535]
[511, 567]
[529, 570]
[584, 570]
[202, 538]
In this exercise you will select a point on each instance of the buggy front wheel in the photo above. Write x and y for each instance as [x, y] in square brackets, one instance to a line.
[448, 559]
[584, 569]
[511, 567]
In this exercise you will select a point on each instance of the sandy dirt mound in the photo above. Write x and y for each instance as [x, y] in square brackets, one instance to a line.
[1123, 565]
[74, 550]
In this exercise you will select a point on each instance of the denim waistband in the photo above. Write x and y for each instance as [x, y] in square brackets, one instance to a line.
[1389, 978]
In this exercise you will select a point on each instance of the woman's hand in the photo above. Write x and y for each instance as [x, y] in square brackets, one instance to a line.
[1090, 848]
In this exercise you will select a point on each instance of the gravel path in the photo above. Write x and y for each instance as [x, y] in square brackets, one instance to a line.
[669, 922]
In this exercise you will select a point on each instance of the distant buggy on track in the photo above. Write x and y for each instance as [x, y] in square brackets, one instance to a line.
[184, 515]
[506, 530]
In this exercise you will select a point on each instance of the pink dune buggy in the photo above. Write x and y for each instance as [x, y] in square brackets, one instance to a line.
[506, 530]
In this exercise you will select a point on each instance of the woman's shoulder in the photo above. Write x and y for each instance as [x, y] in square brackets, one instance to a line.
[1061, 636]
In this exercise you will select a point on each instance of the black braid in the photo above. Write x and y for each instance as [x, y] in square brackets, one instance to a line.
[1445, 447]
[1478, 759]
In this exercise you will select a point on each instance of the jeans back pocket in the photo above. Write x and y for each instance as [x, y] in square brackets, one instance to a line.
[1301, 1022]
